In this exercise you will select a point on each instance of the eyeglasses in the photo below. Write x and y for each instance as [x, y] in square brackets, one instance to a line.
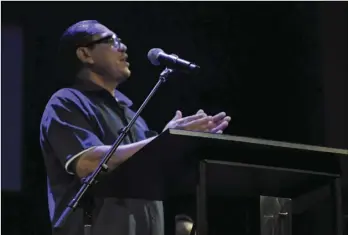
[112, 40]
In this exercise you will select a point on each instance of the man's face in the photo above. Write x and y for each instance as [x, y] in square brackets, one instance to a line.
[108, 56]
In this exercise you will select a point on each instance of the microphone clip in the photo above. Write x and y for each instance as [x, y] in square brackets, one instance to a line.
[165, 73]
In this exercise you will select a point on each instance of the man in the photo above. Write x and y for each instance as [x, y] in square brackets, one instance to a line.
[81, 122]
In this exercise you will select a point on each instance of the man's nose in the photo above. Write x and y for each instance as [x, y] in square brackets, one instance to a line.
[122, 48]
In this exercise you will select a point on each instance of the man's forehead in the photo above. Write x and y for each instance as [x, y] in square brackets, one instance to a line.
[92, 32]
[102, 29]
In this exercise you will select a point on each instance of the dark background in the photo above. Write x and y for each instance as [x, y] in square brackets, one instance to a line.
[279, 69]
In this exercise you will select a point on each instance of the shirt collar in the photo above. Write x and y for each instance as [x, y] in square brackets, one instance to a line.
[88, 85]
[121, 98]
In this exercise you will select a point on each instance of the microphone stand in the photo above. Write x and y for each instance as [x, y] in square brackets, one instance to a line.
[92, 178]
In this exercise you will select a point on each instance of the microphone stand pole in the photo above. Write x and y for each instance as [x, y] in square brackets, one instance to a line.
[92, 178]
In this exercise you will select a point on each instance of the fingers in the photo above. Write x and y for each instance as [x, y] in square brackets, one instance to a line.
[192, 118]
[225, 119]
[200, 111]
[202, 124]
[178, 115]
[219, 116]
[219, 128]
[207, 127]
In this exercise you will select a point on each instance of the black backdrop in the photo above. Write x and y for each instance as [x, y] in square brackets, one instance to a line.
[261, 63]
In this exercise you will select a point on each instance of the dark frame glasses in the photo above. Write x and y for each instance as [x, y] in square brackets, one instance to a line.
[110, 39]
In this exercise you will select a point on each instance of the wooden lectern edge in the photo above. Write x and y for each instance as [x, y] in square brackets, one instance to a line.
[272, 168]
[258, 141]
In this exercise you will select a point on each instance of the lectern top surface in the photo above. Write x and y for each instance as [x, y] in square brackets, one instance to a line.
[257, 141]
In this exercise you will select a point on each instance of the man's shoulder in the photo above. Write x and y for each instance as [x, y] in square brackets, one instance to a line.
[63, 103]
[66, 96]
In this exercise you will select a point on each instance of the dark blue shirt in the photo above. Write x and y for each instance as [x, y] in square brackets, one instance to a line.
[75, 120]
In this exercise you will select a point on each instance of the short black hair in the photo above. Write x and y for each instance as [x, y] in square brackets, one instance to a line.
[68, 65]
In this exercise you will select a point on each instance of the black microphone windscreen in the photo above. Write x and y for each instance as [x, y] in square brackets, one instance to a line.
[152, 55]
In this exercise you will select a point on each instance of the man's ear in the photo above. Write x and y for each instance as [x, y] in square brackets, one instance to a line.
[84, 54]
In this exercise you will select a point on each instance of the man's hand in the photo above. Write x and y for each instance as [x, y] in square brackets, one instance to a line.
[196, 122]
[199, 122]
[220, 122]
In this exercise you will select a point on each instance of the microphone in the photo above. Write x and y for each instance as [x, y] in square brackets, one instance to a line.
[157, 56]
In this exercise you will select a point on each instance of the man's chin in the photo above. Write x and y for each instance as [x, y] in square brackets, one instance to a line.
[124, 76]
[127, 73]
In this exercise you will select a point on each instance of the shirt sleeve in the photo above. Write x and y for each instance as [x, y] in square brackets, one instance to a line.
[67, 126]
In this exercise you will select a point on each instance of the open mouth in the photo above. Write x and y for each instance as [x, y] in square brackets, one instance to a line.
[124, 59]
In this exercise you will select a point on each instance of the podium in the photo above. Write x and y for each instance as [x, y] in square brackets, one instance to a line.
[182, 162]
